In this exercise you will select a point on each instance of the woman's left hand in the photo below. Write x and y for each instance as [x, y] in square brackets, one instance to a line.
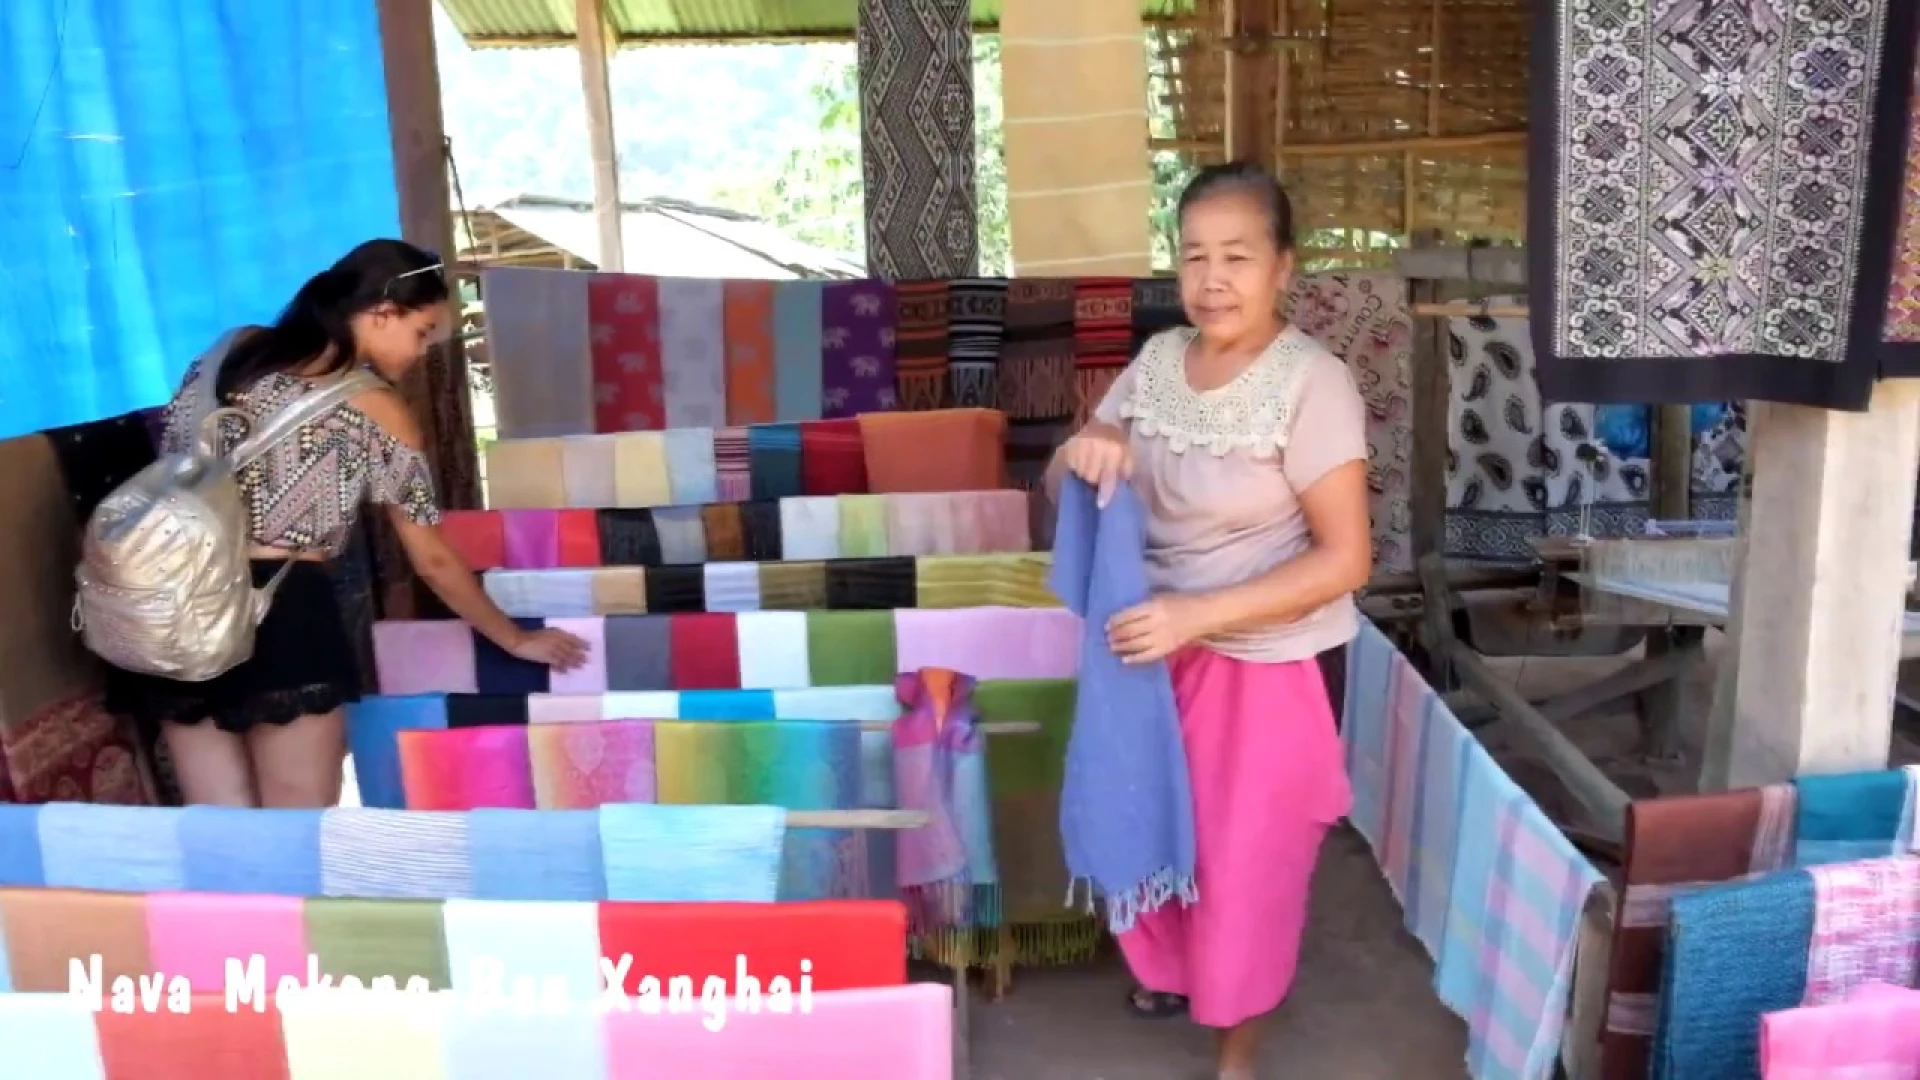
[1156, 629]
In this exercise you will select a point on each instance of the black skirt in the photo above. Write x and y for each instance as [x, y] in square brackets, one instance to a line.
[302, 665]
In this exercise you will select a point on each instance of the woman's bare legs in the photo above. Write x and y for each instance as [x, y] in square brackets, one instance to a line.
[211, 765]
[1240, 1049]
[299, 765]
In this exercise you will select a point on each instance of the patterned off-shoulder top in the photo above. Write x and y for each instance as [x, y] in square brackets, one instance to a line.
[305, 494]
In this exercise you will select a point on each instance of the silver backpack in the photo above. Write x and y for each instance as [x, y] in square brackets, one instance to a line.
[165, 585]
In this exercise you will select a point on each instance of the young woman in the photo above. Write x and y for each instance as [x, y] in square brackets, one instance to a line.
[271, 731]
[1247, 442]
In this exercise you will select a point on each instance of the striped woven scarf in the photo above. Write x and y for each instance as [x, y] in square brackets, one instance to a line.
[1102, 338]
[979, 321]
[922, 341]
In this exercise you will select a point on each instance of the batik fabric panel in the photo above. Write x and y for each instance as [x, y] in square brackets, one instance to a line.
[1519, 467]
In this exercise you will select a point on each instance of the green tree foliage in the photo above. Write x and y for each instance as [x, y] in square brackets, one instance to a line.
[817, 194]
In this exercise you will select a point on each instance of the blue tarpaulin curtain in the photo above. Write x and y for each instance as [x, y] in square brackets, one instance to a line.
[170, 169]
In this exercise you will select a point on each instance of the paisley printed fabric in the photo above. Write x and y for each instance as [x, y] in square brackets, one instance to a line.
[1704, 226]
[1519, 467]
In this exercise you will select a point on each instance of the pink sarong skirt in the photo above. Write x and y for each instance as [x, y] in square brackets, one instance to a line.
[1269, 779]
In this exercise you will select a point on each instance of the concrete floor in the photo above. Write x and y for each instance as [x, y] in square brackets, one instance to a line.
[1361, 1008]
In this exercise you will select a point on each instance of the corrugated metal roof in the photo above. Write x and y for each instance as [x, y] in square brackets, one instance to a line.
[506, 23]
[670, 238]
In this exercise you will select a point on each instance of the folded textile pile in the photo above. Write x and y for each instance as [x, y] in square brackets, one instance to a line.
[900, 1032]
[618, 852]
[882, 453]
[929, 581]
[775, 650]
[810, 527]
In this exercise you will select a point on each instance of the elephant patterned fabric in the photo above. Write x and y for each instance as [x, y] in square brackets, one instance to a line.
[1520, 467]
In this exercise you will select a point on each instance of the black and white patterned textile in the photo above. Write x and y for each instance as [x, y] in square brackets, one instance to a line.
[916, 138]
[1520, 467]
[1710, 202]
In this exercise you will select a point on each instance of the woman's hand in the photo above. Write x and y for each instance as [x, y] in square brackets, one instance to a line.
[555, 648]
[1156, 629]
[1101, 455]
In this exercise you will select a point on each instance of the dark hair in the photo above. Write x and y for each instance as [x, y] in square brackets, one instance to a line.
[1254, 182]
[320, 315]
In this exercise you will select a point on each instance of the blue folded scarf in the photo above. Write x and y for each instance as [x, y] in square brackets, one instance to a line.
[1126, 809]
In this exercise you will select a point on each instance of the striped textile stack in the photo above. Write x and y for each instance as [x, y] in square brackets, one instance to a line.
[399, 943]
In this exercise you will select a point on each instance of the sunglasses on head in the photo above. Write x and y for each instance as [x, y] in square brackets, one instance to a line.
[438, 265]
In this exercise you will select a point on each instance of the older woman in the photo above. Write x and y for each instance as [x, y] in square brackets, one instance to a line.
[1246, 441]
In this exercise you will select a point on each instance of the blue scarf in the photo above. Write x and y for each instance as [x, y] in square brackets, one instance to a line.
[1126, 809]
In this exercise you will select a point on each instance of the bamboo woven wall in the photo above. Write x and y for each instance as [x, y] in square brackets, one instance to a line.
[1388, 116]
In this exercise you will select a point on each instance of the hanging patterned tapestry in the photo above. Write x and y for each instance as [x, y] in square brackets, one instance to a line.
[1519, 467]
[1702, 223]
[1363, 320]
[916, 138]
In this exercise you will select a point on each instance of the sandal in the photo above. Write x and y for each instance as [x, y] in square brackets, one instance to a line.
[1153, 1005]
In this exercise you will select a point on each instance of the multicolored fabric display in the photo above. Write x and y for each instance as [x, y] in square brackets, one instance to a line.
[930, 581]
[951, 523]
[714, 650]
[377, 853]
[843, 959]
[1682, 845]
[1023, 346]
[680, 466]
[1473, 860]
[1024, 775]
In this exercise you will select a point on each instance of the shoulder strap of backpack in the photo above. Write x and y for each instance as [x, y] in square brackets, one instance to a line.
[206, 395]
[306, 408]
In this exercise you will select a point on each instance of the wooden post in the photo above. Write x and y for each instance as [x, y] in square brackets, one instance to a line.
[597, 41]
[1252, 85]
[1671, 499]
[1826, 562]
[1430, 377]
[437, 390]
